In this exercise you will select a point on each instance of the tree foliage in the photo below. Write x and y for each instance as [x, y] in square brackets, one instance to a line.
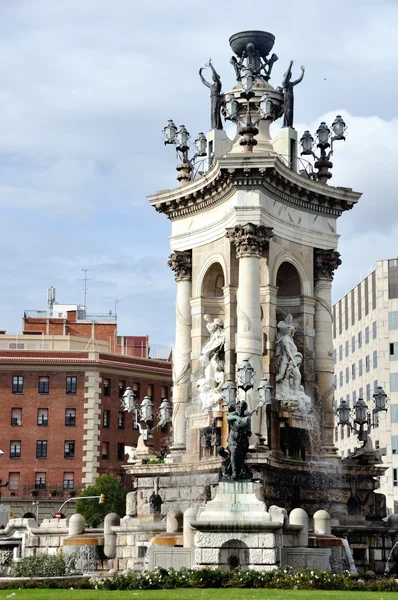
[115, 500]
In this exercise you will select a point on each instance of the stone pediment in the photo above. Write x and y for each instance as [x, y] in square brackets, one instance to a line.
[268, 173]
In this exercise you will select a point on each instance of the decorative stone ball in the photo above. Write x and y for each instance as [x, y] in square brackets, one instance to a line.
[77, 524]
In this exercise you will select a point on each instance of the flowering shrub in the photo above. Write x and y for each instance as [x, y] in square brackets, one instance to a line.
[284, 578]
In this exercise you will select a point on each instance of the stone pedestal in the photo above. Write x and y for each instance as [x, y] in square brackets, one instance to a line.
[235, 529]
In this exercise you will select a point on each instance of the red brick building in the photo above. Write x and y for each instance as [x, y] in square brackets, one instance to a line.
[62, 422]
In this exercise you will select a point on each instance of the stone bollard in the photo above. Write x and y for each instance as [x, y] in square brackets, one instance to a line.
[111, 520]
[174, 521]
[131, 504]
[189, 533]
[322, 523]
[77, 525]
[298, 516]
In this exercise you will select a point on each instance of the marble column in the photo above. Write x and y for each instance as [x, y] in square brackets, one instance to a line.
[325, 263]
[251, 243]
[181, 265]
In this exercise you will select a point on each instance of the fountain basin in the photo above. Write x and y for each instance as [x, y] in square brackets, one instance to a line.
[81, 540]
[262, 40]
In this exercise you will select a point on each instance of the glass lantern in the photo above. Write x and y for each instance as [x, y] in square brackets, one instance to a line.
[182, 137]
[201, 144]
[265, 391]
[165, 412]
[169, 132]
[360, 409]
[380, 400]
[228, 391]
[339, 128]
[266, 107]
[128, 400]
[307, 143]
[323, 134]
[245, 375]
[343, 413]
[231, 106]
[146, 410]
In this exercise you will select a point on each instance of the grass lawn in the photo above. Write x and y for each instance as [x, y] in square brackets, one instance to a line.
[193, 594]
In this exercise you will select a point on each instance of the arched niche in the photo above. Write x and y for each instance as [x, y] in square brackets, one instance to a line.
[213, 282]
[290, 290]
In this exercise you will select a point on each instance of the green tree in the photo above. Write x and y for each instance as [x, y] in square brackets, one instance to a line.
[114, 500]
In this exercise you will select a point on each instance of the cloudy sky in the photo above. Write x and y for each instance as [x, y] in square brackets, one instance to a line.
[86, 87]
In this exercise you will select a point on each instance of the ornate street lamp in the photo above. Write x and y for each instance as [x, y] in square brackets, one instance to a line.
[360, 413]
[245, 375]
[146, 410]
[228, 391]
[180, 139]
[265, 391]
[325, 141]
[128, 400]
[165, 413]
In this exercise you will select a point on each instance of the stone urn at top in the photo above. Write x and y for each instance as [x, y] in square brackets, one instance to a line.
[261, 40]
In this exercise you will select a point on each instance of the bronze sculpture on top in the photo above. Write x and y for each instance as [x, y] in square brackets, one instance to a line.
[252, 48]
[288, 95]
[215, 96]
[233, 464]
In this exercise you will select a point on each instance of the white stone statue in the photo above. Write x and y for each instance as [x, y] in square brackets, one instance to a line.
[289, 390]
[212, 364]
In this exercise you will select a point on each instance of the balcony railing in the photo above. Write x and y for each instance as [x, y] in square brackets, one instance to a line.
[41, 491]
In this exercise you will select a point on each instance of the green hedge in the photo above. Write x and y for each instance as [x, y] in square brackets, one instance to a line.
[285, 578]
[45, 565]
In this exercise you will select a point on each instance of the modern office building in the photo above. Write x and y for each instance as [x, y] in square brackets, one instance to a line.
[365, 333]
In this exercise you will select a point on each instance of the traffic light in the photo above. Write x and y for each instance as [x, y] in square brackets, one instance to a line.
[101, 499]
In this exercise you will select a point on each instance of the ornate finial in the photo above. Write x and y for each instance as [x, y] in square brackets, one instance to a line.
[252, 48]
[325, 263]
[249, 239]
[181, 263]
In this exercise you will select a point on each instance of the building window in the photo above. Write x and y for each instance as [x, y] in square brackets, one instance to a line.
[341, 352]
[341, 379]
[367, 363]
[164, 390]
[122, 388]
[394, 351]
[360, 367]
[15, 449]
[375, 359]
[14, 481]
[40, 481]
[106, 418]
[394, 413]
[70, 417]
[42, 416]
[393, 382]
[120, 420]
[368, 392]
[353, 343]
[71, 385]
[354, 397]
[105, 450]
[44, 385]
[347, 349]
[367, 335]
[150, 391]
[69, 481]
[136, 389]
[347, 399]
[335, 381]
[107, 387]
[393, 320]
[393, 278]
[16, 417]
[347, 375]
[374, 330]
[360, 339]
[360, 393]
[394, 444]
[17, 384]
[41, 449]
[69, 449]
[353, 371]
[120, 451]
[375, 385]
[395, 477]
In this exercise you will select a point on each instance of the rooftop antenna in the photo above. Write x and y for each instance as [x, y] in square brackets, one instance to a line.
[85, 279]
[51, 297]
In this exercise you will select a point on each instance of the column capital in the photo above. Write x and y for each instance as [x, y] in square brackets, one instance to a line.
[180, 262]
[249, 239]
[325, 263]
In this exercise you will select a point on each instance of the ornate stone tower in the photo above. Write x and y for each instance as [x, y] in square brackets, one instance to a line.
[253, 250]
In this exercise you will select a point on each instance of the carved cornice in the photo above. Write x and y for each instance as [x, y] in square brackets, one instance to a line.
[267, 173]
[325, 263]
[249, 239]
[181, 264]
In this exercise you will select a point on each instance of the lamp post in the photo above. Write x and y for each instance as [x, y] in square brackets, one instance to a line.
[357, 417]
[180, 139]
[245, 382]
[325, 141]
[143, 416]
